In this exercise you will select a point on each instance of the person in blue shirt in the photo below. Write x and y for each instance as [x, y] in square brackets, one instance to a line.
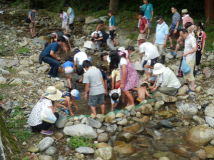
[161, 36]
[70, 16]
[147, 8]
[50, 56]
[68, 69]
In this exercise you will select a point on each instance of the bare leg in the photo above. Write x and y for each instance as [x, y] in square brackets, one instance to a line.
[103, 109]
[34, 31]
[148, 32]
[130, 98]
[68, 105]
[193, 85]
[177, 47]
[123, 97]
[112, 42]
[69, 82]
[170, 40]
[93, 110]
[31, 32]
[116, 42]
[80, 81]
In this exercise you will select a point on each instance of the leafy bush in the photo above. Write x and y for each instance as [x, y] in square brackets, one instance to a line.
[76, 142]
[1, 97]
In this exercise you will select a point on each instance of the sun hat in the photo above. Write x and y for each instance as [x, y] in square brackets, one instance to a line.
[69, 70]
[52, 93]
[158, 69]
[184, 11]
[75, 93]
[160, 18]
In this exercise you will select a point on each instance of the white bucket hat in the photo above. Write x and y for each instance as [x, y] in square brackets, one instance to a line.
[52, 93]
[158, 69]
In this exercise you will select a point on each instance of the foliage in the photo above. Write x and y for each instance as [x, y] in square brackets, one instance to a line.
[15, 124]
[21, 50]
[1, 97]
[16, 3]
[76, 142]
[12, 70]
[4, 85]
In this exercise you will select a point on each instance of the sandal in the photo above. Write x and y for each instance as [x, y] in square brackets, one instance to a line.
[189, 91]
[185, 84]
[117, 44]
[174, 53]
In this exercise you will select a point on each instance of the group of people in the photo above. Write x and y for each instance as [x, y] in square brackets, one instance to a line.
[121, 80]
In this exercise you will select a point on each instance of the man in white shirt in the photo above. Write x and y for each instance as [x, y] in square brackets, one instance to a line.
[65, 21]
[189, 57]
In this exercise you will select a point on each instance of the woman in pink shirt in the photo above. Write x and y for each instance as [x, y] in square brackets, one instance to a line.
[200, 36]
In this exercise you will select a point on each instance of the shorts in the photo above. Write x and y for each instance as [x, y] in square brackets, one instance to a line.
[153, 79]
[161, 49]
[32, 25]
[136, 98]
[190, 77]
[94, 100]
[117, 85]
[142, 36]
[68, 71]
[144, 63]
[71, 20]
[149, 23]
[64, 26]
[174, 36]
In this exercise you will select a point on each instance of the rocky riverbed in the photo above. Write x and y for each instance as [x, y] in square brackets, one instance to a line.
[165, 128]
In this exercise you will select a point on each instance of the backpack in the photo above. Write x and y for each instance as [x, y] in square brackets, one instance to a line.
[28, 19]
[185, 68]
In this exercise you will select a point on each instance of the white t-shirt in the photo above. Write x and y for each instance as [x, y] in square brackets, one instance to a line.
[123, 61]
[66, 38]
[64, 15]
[35, 115]
[150, 50]
[115, 91]
[98, 32]
[190, 43]
[80, 56]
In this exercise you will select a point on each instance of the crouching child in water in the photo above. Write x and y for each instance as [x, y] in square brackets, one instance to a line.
[114, 94]
[142, 92]
[69, 97]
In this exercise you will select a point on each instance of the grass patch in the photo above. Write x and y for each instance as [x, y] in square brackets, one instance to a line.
[15, 124]
[1, 97]
[12, 70]
[76, 142]
[21, 50]
[4, 86]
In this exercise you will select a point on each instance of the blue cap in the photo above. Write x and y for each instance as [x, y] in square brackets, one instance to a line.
[75, 93]
[76, 50]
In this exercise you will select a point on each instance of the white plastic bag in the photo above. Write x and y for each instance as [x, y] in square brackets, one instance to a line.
[138, 66]
[47, 115]
[90, 45]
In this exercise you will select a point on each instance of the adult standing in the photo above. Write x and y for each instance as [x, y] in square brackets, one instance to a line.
[50, 56]
[174, 34]
[32, 25]
[147, 8]
[65, 21]
[70, 13]
[47, 102]
[186, 19]
[189, 55]
[128, 75]
[160, 38]
[167, 81]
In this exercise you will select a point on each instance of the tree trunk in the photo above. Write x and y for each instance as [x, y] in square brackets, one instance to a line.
[208, 9]
[113, 5]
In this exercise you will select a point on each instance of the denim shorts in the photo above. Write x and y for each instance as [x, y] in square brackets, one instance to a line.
[153, 78]
[96, 99]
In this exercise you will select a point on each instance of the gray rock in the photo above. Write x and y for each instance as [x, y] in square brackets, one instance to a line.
[85, 150]
[94, 21]
[208, 72]
[166, 123]
[187, 108]
[45, 143]
[210, 57]
[13, 63]
[179, 54]
[210, 91]
[7, 107]
[40, 41]
[33, 149]
[61, 122]
[2, 63]
[128, 42]
[51, 151]
[209, 110]
[158, 104]
[84, 120]
[100, 118]
[111, 129]
[43, 157]
[104, 18]
[169, 55]
[103, 137]
[209, 121]
[124, 122]
[4, 72]
[16, 81]
[2, 80]
[79, 19]
[80, 130]
[199, 120]
[94, 123]
[106, 153]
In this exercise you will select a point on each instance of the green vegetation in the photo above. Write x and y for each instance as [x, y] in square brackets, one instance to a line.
[15, 124]
[21, 50]
[1, 97]
[12, 70]
[4, 86]
[16, 3]
[76, 142]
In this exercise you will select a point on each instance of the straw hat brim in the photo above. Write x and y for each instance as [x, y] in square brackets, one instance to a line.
[56, 96]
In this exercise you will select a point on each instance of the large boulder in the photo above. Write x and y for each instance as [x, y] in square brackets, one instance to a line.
[45, 38]
[45, 143]
[106, 153]
[40, 41]
[122, 148]
[187, 108]
[94, 123]
[199, 135]
[145, 109]
[209, 110]
[80, 130]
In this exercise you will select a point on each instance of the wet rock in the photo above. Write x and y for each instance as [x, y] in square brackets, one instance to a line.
[124, 122]
[85, 150]
[187, 108]
[167, 114]
[94, 123]
[58, 135]
[209, 121]
[209, 110]
[132, 128]
[2, 80]
[166, 123]
[119, 114]
[158, 104]
[122, 148]
[199, 135]
[182, 91]
[199, 120]
[45, 143]
[59, 85]
[101, 145]
[145, 119]
[167, 98]
[126, 136]
[208, 72]
[61, 122]
[51, 151]
[16, 81]
[209, 151]
[7, 107]
[2, 64]
[105, 153]
[80, 130]
[145, 109]
[103, 137]
[129, 108]
[100, 118]
[111, 129]
[33, 149]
